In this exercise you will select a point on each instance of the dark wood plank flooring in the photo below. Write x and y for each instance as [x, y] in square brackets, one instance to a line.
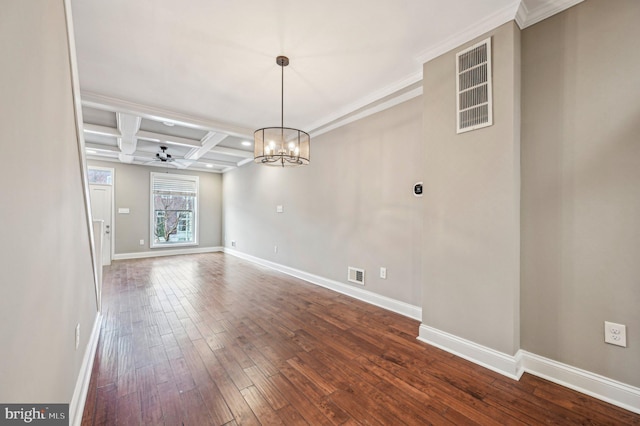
[213, 340]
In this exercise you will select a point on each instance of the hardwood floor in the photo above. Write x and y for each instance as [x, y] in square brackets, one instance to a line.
[213, 340]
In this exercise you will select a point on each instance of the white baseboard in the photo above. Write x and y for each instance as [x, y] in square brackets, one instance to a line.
[513, 366]
[595, 385]
[384, 302]
[158, 253]
[76, 407]
[508, 365]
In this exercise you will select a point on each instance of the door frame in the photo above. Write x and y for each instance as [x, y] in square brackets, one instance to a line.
[112, 231]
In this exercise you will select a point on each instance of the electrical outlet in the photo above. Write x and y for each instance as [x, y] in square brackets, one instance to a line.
[275, 249]
[233, 243]
[77, 335]
[383, 273]
[141, 242]
[615, 334]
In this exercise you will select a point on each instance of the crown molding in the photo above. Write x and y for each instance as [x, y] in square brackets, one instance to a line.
[483, 26]
[391, 90]
[524, 12]
[393, 100]
[396, 93]
[521, 15]
[531, 12]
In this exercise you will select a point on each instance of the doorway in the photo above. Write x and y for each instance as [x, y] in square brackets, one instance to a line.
[102, 206]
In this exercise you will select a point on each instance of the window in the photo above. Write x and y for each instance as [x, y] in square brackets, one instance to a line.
[100, 176]
[174, 206]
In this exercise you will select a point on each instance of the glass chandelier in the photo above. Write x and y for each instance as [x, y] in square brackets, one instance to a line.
[281, 146]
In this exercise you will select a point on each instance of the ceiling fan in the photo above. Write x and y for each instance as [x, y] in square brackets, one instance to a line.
[164, 156]
[168, 160]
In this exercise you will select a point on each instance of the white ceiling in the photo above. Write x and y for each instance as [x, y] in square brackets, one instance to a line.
[209, 65]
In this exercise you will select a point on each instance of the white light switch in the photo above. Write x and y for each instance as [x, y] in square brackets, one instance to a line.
[383, 273]
[279, 208]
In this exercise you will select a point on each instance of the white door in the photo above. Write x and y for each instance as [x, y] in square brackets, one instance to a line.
[101, 210]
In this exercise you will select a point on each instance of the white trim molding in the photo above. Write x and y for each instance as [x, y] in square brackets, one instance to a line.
[513, 366]
[595, 385]
[384, 302]
[395, 94]
[508, 365]
[396, 99]
[524, 12]
[76, 407]
[159, 253]
[529, 14]
[483, 26]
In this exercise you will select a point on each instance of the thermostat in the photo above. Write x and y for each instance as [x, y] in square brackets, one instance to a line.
[417, 189]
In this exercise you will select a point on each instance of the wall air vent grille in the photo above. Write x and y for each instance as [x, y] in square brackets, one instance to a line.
[356, 275]
[473, 86]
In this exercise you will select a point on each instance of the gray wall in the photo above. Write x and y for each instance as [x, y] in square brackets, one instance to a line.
[132, 191]
[47, 284]
[352, 206]
[581, 196]
[471, 245]
[580, 206]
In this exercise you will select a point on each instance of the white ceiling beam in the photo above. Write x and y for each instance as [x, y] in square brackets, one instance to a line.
[209, 141]
[168, 139]
[125, 158]
[232, 152]
[128, 125]
[103, 157]
[216, 162]
[100, 147]
[158, 164]
[145, 154]
[245, 161]
[142, 134]
[101, 130]
[106, 103]
[184, 162]
[151, 157]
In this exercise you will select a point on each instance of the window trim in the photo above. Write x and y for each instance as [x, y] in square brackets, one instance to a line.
[109, 169]
[152, 217]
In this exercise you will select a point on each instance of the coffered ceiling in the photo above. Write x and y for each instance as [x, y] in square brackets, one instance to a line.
[199, 76]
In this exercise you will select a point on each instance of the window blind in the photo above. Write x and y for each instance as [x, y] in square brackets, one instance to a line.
[171, 185]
